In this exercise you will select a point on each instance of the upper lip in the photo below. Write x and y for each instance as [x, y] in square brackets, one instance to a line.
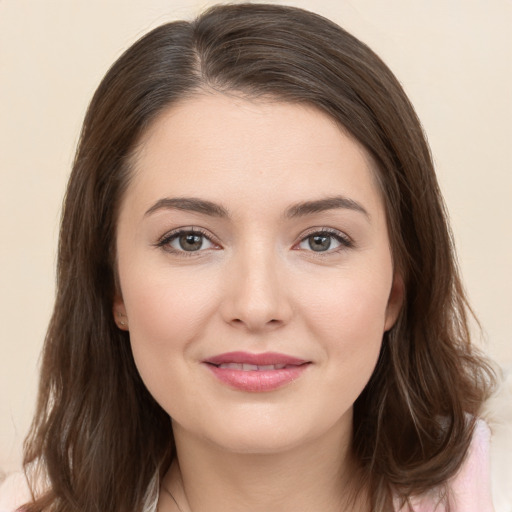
[265, 358]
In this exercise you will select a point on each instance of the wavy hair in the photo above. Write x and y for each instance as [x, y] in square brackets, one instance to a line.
[98, 437]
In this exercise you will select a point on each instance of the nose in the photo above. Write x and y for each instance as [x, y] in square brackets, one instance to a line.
[256, 297]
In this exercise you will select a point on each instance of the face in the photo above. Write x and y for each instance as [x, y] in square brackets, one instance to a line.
[255, 271]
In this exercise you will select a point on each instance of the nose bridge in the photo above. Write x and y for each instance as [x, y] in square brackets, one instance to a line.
[257, 298]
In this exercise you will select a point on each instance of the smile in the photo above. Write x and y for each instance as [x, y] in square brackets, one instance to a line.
[256, 372]
[251, 367]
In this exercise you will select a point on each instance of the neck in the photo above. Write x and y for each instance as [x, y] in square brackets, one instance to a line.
[318, 476]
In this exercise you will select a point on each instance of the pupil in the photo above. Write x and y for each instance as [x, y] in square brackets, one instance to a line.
[191, 242]
[320, 242]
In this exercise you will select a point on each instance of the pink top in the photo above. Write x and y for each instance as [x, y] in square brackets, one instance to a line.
[470, 488]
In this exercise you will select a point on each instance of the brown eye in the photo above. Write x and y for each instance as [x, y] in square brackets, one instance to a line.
[190, 242]
[325, 241]
[319, 243]
[187, 241]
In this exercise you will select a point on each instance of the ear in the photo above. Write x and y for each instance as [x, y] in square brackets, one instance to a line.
[119, 312]
[395, 301]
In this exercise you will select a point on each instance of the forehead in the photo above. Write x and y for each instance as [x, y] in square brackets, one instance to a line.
[217, 144]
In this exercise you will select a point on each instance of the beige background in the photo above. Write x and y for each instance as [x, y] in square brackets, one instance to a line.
[454, 58]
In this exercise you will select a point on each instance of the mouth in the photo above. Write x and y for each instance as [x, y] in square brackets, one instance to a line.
[245, 367]
[254, 362]
[256, 372]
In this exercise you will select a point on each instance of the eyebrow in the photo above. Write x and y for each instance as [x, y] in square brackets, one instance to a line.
[303, 209]
[321, 205]
[190, 204]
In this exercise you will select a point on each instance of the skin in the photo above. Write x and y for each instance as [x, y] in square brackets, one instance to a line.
[255, 285]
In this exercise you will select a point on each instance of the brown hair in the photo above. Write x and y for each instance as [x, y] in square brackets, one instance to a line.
[98, 436]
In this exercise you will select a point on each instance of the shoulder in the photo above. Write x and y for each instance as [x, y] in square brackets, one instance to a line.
[14, 492]
[469, 490]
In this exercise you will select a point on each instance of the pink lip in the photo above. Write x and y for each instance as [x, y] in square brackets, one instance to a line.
[256, 380]
[263, 359]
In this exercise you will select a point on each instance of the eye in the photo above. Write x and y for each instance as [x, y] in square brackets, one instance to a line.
[324, 241]
[189, 240]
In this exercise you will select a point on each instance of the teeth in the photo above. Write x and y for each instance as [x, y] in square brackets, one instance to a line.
[232, 366]
[251, 367]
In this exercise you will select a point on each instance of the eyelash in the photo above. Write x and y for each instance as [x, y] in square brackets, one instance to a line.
[345, 241]
[165, 241]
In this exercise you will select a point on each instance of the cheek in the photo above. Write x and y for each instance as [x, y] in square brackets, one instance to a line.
[351, 308]
[348, 316]
[169, 304]
[166, 312]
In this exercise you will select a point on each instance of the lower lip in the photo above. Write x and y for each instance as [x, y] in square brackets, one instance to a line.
[257, 381]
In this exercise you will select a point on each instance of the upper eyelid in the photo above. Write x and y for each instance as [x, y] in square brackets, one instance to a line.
[346, 242]
[186, 229]
[330, 231]
[212, 238]
[165, 238]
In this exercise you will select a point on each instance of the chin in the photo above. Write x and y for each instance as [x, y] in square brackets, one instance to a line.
[264, 432]
[261, 441]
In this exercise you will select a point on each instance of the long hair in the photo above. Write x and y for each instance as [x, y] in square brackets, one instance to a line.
[98, 437]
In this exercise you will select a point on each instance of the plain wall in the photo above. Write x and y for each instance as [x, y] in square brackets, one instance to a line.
[453, 58]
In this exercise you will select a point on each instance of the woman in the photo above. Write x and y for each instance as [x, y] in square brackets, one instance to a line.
[254, 244]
